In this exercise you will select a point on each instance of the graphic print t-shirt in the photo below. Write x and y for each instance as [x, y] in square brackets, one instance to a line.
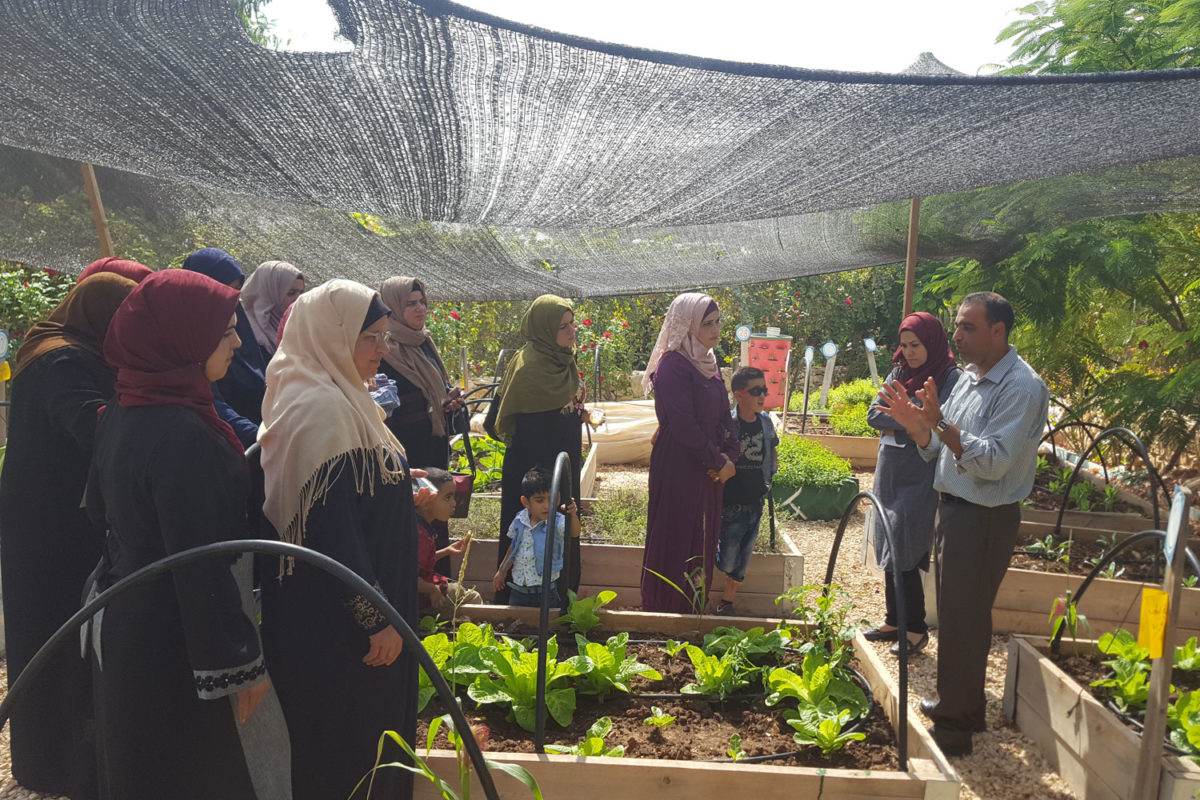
[747, 486]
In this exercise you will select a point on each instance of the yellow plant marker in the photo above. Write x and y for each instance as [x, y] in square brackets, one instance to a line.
[1152, 626]
[5, 371]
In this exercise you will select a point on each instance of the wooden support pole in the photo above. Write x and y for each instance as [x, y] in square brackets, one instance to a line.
[93, 193]
[1149, 766]
[910, 260]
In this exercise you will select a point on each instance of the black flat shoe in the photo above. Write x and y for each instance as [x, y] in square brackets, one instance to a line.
[880, 635]
[913, 647]
[928, 706]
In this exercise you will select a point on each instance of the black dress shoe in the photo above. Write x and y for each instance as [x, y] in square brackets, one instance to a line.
[880, 635]
[928, 706]
[913, 647]
[952, 742]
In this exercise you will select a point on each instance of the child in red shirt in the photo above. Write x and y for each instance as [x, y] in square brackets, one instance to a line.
[439, 593]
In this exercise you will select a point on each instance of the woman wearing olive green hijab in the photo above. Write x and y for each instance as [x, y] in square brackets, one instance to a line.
[538, 411]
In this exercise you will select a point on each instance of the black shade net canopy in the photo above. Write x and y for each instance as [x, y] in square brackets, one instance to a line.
[501, 161]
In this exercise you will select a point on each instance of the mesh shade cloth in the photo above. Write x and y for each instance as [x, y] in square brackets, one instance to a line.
[507, 161]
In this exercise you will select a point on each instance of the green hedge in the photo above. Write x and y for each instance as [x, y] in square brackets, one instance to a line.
[804, 462]
[852, 421]
[848, 395]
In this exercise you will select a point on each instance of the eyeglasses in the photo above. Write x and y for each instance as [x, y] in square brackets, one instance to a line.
[758, 391]
[382, 337]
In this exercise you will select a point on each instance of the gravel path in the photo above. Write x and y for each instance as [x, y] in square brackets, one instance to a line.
[1005, 764]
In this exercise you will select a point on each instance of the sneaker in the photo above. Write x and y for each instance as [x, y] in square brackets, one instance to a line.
[725, 609]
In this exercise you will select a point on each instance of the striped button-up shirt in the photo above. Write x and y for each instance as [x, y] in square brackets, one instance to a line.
[1002, 417]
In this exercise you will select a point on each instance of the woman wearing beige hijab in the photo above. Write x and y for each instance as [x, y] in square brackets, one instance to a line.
[337, 482]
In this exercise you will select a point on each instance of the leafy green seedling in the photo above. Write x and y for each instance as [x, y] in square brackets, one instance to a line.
[658, 718]
[593, 742]
[735, 751]
[1123, 645]
[1129, 684]
[440, 649]
[581, 614]
[756, 643]
[673, 647]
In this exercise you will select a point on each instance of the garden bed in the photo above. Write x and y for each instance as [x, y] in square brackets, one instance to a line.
[1092, 749]
[928, 775]
[1025, 597]
[861, 451]
[619, 567]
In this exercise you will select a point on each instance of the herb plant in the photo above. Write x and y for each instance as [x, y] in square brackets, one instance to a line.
[822, 726]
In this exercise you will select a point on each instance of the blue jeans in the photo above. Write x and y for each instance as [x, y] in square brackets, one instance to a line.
[531, 596]
[739, 530]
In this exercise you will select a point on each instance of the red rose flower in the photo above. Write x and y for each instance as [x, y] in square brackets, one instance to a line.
[849, 302]
[607, 335]
[454, 315]
[624, 324]
[587, 322]
[50, 272]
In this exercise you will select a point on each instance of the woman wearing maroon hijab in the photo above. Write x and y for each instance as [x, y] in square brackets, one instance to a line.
[904, 480]
[132, 270]
[177, 663]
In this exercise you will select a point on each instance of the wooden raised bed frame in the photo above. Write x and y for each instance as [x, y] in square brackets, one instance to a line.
[929, 775]
[619, 567]
[861, 451]
[1089, 746]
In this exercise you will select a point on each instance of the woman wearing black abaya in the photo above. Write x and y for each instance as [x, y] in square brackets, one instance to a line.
[337, 482]
[177, 662]
[48, 546]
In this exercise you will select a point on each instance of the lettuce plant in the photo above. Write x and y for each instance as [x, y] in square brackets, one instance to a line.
[440, 648]
[755, 643]
[1187, 656]
[822, 725]
[610, 667]
[817, 682]
[512, 681]
[716, 675]
[658, 718]
[581, 616]
[1183, 723]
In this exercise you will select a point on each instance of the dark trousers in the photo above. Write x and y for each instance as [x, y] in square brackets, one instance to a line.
[974, 545]
[912, 583]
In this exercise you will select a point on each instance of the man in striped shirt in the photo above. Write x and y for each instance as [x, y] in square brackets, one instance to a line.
[984, 437]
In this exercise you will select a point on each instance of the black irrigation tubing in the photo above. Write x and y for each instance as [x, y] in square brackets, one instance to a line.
[562, 477]
[901, 609]
[1056, 643]
[263, 547]
[1077, 423]
[1136, 445]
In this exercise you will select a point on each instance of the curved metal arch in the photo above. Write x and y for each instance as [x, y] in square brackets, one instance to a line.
[1136, 445]
[562, 477]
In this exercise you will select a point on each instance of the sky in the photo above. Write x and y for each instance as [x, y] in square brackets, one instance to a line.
[860, 36]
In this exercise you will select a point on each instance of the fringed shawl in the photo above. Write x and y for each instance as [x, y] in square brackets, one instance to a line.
[317, 411]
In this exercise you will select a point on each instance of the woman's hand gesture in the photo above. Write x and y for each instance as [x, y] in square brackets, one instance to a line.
[726, 472]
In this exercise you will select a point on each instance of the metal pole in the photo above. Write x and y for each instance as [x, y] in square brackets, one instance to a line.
[828, 380]
[910, 259]
[93, 192]
[562, 476]
[462, 365]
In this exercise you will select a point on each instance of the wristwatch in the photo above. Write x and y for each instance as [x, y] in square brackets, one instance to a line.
[942, 425]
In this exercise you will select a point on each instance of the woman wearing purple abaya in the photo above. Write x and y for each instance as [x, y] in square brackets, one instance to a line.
[693, 455]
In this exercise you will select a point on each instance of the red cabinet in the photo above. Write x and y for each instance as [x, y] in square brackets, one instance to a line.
[771, 354]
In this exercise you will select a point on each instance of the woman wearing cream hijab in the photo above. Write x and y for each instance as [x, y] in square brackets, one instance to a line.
[336, 481]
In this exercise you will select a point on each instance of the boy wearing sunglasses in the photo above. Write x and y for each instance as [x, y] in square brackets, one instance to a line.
[744, 492]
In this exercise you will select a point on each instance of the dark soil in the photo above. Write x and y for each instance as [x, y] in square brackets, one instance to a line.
[1137, 563]
[1046, 500]
[701, 729]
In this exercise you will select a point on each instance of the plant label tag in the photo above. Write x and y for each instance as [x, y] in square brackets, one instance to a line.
[1152, 626]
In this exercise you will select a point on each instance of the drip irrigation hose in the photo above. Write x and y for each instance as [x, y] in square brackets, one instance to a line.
[901, 610]
[1056, 642]
[562, 477]
[264, 547]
